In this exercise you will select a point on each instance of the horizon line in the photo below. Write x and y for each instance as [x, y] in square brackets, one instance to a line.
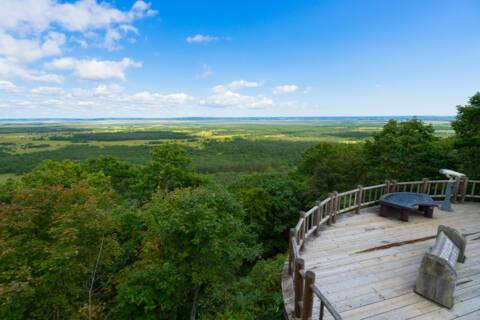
[382, 117]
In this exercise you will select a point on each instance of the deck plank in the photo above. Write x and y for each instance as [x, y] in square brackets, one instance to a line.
[366, 265]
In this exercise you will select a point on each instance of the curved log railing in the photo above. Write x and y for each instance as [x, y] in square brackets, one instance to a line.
[326, 211]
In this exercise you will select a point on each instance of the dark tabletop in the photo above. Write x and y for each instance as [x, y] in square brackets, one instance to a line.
[408, 199]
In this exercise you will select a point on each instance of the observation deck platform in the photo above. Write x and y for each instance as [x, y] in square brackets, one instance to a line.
[366, 265]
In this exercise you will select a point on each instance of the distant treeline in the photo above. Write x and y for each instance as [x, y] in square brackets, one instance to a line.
[236, 156]
[123, 136]
[38, 129]
[241, 155]
[352, 134]
[24, 162]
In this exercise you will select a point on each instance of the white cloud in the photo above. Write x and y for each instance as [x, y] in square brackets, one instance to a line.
[30, 49]
[207, 71]
[239, 84]
[146, 97]
[44, 77]
[234, 99]
[53, 102]
[111, 38]
[103, 90]
[31, 30]
[107, 89]
[140, 9]
[95, 69]
[12, 69]
[200, 38]
[86, 103]
[79, 16]
[8, 86]
[286, 88]
[236, 85]
[47, 90]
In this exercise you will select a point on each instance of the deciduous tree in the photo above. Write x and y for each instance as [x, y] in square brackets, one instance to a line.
[51, 238]
[467, 134]
[195, 241]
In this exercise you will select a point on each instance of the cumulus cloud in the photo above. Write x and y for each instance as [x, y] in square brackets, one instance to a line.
[146, 97]
[86, 103]
[111, 38]
[12, 69]
[30, 49]
[32, 30]
[47, 90]
[8, 86]
[230, 98]
[286, 88]
[200, 38]
[107, 89]
[236, 85]
[79, 16]
[111, 90]
[94, 69]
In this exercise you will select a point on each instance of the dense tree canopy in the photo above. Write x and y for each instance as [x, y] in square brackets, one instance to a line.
[404, 151]
[467, 130]
[195, 242]
[272, 203]
[51, 238]
[254, 296]
[328, 167]
[168, 168]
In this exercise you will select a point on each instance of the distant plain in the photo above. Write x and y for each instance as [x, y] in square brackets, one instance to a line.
[224, 149]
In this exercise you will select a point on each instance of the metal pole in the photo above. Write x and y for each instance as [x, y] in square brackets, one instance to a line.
[447, 204]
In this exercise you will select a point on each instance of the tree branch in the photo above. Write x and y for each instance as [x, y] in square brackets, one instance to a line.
[92, 280]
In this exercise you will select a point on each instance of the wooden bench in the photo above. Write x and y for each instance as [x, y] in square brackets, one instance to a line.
[437, 276]
[407, 202]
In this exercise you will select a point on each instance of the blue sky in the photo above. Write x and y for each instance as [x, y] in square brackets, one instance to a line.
[90, 58]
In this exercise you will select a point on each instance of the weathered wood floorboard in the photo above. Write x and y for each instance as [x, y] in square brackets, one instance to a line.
[378, 282]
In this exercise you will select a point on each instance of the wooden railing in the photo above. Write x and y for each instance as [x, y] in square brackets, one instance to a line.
[326, 211]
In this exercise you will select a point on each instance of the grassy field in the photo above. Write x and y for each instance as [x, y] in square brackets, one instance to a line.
[220, 148]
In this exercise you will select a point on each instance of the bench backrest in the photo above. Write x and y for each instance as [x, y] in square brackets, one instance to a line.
[456, 237]
[445, 249]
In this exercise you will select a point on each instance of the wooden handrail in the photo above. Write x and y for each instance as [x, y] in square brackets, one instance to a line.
[325, 212]
[325, 303]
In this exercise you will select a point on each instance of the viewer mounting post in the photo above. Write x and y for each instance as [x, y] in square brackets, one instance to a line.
[453, 180]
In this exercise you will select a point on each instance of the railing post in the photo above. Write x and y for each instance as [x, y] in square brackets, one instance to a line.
[393, 184]
[308, 295]
[359, 198]
[303, 216]
[387, 186]
[298, 283]
[425, 182]
[464, 189]
[290, 250]
[330, 208]
[456, 188]
[335, 206]
[318, 218]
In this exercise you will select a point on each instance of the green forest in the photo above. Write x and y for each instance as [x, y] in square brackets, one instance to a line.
[187, 222]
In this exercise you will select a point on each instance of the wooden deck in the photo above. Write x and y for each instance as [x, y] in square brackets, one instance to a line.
[366, 265]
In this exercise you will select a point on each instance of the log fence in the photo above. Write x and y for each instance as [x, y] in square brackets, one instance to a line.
[306, 288]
